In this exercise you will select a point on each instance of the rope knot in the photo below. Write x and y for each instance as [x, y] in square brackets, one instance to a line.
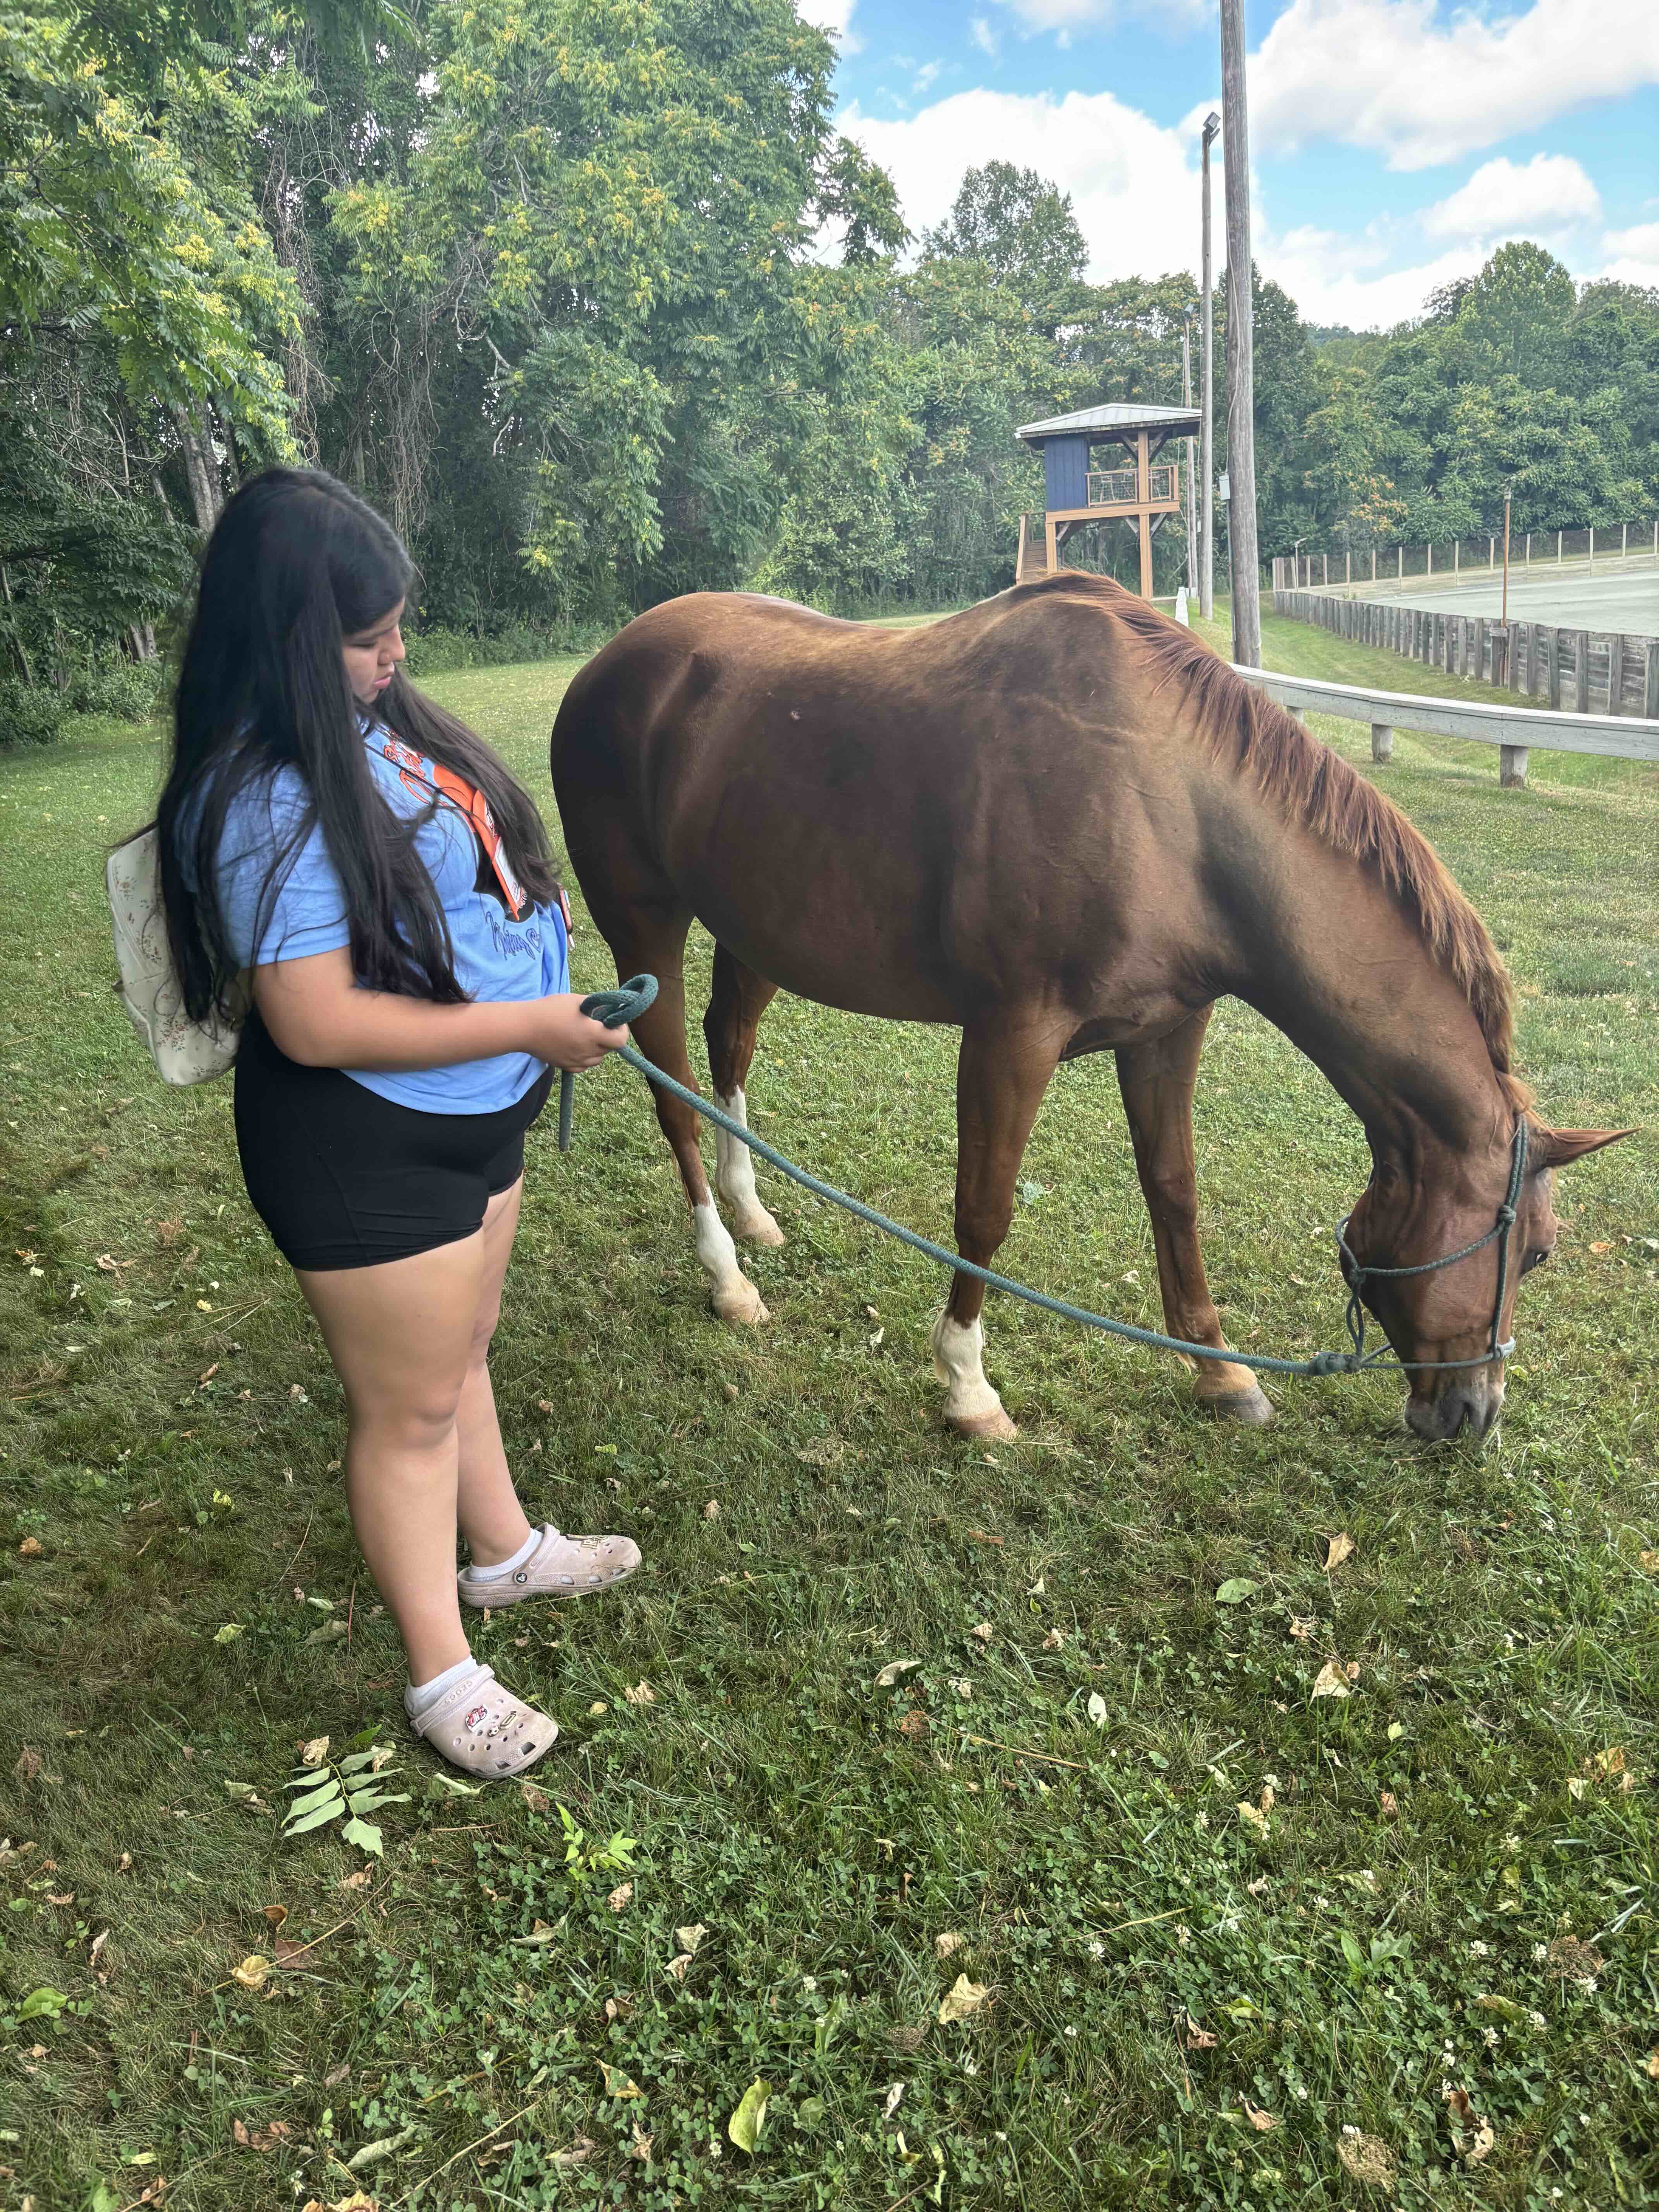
[1333, 1363]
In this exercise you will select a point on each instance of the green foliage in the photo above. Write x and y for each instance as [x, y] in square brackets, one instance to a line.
[344, 1790]
[30, 713]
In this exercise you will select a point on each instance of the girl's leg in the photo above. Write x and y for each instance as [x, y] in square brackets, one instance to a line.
[491, 1518]
[401, 1337]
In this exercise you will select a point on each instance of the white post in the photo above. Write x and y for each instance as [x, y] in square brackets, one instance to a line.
[1457, 556]
[1557, 548]
[1491, 552]
[1431, 567]
[1400, 553]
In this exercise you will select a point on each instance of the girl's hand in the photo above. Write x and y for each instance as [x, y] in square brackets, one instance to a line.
[562, 1035]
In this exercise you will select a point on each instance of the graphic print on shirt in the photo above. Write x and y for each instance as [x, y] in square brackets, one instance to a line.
[470, 803]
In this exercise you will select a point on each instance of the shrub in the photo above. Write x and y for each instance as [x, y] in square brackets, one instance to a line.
[30, 713]
[435, 650]
[131, 689]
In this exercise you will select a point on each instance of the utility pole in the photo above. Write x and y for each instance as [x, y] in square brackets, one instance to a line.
[1241, 369]
[1206, 386]
[1192, 491]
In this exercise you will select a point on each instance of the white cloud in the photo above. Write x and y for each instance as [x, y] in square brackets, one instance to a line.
[1551, 193]
[1133, 190]
[1335, 278]
[1635, 256]
[1421, 86]
[925, 75]
[1065, 17]
[835, 16]
[980, 31]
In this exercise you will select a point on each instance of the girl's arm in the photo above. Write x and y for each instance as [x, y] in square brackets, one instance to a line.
[320, 1015]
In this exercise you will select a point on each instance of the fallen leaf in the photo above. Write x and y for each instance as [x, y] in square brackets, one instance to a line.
[266, 2138]
[746, 2122]
[1505, 2008]
[712, 1511]
[895, 1671]
[275, 1914]
[983, 1630]
[1260, 2121]
[893, 2097]
[1653, 2066]
[618, 2084]
[979, 1536]
[945, 1944]
[640, 2147]
[299, 1395]
[621, 1897]
[914, 1724]
[961, 2000]
[1194, 2037]
[1253, 1815]
[252, 1971]
[596, 1710]
[1332, 1680]
[641, 1694]
[1259, 1887]
[689, 1937]
[1611, 1761]
[1472, 2137]
[1054, 1640]
[680, 1966]
[358, 1881]
[30, 1548]
[539, 1933]
[583, 2147]
[1391, 1805]
[1577, 1786]
[1337, 1548]
[329, 1632]
[1367, 2158]
[1600, 1247]
[1303, 1626]
[1649, 1561]
[315, 1751]
[229, 1633]
[1235, 1590]
[373, 2154]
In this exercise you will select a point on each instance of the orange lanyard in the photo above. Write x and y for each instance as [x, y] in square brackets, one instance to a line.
[468, 802]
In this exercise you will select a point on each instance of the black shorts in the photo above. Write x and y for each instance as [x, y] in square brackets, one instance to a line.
[344, 1178]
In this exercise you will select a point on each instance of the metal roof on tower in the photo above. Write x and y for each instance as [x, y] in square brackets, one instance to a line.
[1112, 420]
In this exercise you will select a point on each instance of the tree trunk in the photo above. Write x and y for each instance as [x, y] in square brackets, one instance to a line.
[200, 468]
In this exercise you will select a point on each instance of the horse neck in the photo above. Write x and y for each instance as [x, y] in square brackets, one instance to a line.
[1345, 973]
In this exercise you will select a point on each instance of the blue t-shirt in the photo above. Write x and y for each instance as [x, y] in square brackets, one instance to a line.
[495, 958]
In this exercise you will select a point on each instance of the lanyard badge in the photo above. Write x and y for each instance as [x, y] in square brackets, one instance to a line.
[468, 802]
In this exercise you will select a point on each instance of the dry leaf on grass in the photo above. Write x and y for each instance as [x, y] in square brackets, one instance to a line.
[618, 2084]
[961, 2000]
[983, 1630]
[689, 1937]
[252, 1972]
[265, 2138]
[914, 1724]
[895, 1671]
[621, 1896]
[1653, 2066]
[1192, 2037]
[1337, 1548]
[945, 1944]
[1260, 2121]
[893, 2096]
[1391, 1805]
[1333, 1680]
[357, 2202]
[1367, 2158]
[1254, 1816]
[275, 1914]
[1472, 2137]
[641, 1694]
[1303, 1627]
[30, 1548]
[1054, 1640]
[680, 1966]
[314, 1752]
[640, 2146]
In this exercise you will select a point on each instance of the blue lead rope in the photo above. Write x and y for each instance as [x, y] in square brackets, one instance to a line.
[625, 1004]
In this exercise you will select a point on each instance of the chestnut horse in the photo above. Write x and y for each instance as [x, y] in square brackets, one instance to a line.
[1060, 824]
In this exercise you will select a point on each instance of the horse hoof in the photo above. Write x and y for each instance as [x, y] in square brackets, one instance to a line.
[757, 1226]
[1251, 1408]
[740, 1303]
[983, 1428]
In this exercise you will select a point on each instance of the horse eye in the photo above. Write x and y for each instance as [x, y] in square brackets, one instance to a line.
[1533, 1259]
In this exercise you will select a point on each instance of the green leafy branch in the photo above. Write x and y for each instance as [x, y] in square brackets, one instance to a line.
[344, 1790]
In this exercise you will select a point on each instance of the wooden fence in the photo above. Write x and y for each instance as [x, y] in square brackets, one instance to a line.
[1572, 670]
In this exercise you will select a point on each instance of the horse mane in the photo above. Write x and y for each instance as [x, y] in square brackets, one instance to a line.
[1253, 736]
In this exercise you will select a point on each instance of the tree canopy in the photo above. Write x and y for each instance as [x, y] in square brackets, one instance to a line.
[592, 299]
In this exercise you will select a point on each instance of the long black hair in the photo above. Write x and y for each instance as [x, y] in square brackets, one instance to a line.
[296, 564]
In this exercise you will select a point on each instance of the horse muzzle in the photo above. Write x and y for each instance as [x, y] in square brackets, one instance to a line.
[1473, 1402]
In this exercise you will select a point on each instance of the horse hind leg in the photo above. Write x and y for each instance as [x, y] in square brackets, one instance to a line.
[736, 1004]
[653, 940]
[1156, 1081]
[1001, 1074]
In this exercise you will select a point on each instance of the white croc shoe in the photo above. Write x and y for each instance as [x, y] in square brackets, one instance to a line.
[560, 1566]
[484, 1730]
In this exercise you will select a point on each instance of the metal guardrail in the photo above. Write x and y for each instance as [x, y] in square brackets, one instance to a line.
[1121, 487]
[1514, 730]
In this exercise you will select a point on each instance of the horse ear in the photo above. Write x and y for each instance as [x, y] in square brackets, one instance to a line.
[1560, 1147]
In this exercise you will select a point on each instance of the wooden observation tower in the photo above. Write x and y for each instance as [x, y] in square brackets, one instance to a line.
[1077, 494]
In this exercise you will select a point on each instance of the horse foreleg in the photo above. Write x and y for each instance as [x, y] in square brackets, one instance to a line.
[1157, 1082]
[1001, 1074]
[660, 1034]
[739, 1000]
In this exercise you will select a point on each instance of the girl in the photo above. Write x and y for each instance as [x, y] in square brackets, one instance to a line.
[390, 886]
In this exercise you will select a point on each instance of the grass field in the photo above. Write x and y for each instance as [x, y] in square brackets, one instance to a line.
[1119, 1621]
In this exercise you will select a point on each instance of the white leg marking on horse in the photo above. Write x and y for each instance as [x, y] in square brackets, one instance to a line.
[970, 1403]
[734, 1177]
[735, 1298]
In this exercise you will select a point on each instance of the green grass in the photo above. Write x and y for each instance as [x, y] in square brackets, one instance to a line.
[168, 1441]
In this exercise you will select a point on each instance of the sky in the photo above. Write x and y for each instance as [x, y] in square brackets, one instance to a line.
[1394, 143]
